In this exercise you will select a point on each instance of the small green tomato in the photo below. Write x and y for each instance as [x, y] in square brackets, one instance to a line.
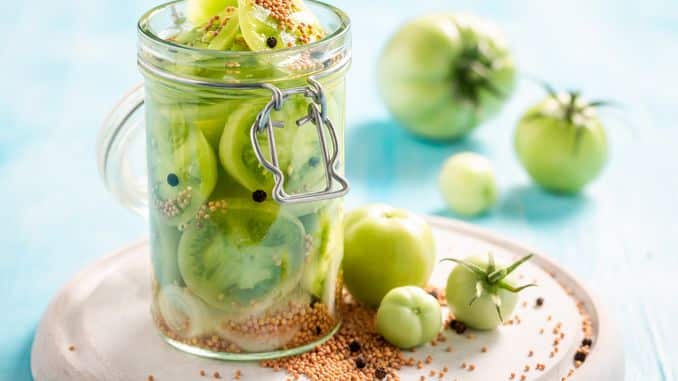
[409, 317]
[467, 183]
[480, 294]
[562, 143]
[384, 248]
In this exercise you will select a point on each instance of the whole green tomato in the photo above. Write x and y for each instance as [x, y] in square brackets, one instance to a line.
[561, 142]
[385, 248]
[441, 75]
[480, 293]
[408, 317]
[467, 183]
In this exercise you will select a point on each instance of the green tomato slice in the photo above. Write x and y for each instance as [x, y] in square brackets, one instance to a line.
[184, 313]
[164, 242]
[324, 256]
[264, 31]
[226, 36]
[182, 173]
[199, 12]
[210, 117]
[298, 148]
[245, 254]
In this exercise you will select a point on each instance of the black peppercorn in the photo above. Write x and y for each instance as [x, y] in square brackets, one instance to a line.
[540, 302]
[172, 179]
[587, 342]
[259, 195]
[433, 293]
[271, 42]
[380, 373]
[354, 346]
[360, 363]
[318, 331]
[458, 327]
[580, 356]
[313, 161]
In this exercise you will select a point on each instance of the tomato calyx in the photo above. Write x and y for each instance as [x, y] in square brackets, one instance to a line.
[572, 109]
[472, 72]
[491, 279]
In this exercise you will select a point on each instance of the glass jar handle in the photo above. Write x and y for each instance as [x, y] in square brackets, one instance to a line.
[121, 128]
[335, 184]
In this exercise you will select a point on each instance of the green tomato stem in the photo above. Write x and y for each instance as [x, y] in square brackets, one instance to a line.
[477, 271]
[515, 290]
[518, 263]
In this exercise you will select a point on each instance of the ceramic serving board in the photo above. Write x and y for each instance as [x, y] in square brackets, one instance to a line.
[99, 326]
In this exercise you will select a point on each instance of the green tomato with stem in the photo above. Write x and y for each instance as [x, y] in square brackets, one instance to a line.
[408, 317]
[468, 184]
[385, 248]
[441, 75]
[561, 142]
[480, 293]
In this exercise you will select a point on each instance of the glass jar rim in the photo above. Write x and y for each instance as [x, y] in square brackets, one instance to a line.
[337, 34]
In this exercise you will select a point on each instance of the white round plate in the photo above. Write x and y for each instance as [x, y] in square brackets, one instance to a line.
[99, 326]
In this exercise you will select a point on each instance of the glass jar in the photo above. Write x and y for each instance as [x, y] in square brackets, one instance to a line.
[245, 159]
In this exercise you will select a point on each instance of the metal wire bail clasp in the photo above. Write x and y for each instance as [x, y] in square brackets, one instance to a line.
[335, 184]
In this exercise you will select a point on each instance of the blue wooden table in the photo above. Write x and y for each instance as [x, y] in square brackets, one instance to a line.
[64, 63]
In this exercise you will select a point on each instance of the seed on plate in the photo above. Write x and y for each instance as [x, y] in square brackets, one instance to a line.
[458, 326]
[587, 342]
[360, 363]
[580, 356]
[539, 302]
[380, 373]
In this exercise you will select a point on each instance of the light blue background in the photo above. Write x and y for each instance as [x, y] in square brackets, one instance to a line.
[63, 64]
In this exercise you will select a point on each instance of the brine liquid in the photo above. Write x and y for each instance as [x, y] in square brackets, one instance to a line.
[233, 271]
